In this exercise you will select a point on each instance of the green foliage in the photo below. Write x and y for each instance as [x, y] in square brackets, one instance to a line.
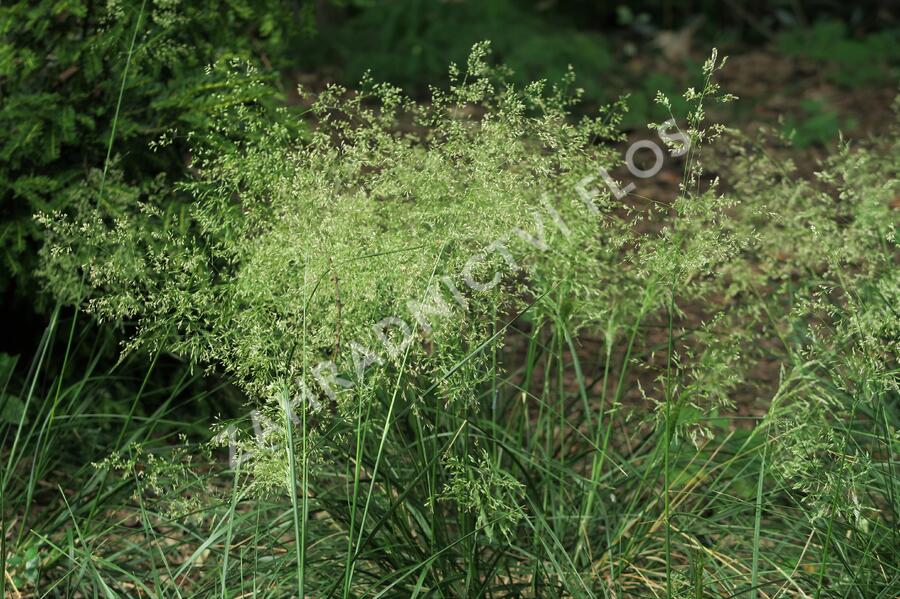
[663, 398]
[849, 61]
[301, 248]
[815, 125]
[61, 72]
[479, 486]
[532, 43]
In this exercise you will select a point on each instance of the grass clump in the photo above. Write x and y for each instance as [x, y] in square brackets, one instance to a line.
[473, 371]
[301, 247]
